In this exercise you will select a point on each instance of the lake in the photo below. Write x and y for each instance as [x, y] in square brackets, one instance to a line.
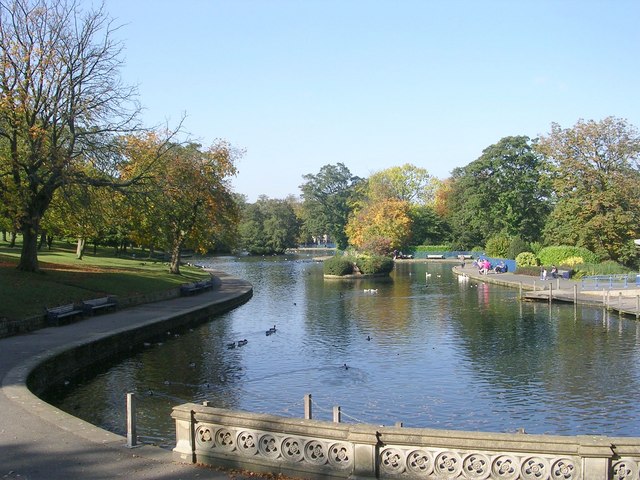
[428, 351]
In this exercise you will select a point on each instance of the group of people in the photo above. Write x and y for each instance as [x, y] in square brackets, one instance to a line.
[554, 272]
[484, 266]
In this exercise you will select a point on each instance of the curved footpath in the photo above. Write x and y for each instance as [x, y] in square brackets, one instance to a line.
[39, 441]
[562, 289]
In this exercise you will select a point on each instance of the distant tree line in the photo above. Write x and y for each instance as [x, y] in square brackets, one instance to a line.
[574, 186]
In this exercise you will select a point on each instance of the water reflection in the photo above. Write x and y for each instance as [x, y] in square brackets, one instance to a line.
[424, 349]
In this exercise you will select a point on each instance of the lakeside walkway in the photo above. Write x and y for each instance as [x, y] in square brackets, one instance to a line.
[623, 301]
[39, 441]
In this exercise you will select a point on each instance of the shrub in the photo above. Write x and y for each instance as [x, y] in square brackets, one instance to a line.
[338, 265]
[535, 247]
[377, 245]
[605, 268]
[498, 246]
[572, 261]
[477, 249]
[556, 255]
[526, 259]
[375, 264]
[534, 271]
[516, 247]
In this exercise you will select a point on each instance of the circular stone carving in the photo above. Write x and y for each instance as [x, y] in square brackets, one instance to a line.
[247, 443]
[204, 437]
[534, 468]
[314, 452]
[392, 460]
[505, 467]
[448, 464]
[625, 470]
[292, 449]
[420, 462]
[564, 469]
[476, 466]
[339, 455]
[268, 446]
[224, 440]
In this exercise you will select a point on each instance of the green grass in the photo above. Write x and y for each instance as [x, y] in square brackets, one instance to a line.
[65, 279]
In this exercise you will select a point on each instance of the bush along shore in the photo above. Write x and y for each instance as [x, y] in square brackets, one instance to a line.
[357, 266]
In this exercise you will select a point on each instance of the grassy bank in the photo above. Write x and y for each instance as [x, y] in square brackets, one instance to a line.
[65, 279]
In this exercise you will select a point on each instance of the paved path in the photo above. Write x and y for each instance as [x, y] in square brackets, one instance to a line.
[38, 441]
[624, 301]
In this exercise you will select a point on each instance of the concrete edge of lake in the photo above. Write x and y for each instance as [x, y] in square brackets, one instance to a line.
[39, 440]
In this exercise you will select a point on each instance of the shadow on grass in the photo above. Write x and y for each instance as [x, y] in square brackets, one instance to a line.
[27, 294]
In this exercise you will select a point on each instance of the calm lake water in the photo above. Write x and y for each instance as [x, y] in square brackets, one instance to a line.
[436, 353]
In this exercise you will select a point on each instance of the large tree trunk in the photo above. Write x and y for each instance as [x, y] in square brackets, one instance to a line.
[12, 242]
[29, 254]
[174, 263]
[80, 248]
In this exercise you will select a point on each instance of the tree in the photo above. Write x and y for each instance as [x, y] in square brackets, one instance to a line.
[407, 183]
[503, 191]
[385, 222]
[326, 201]
[189, 200]
[61, 105]
[596, 178]
[268, 226]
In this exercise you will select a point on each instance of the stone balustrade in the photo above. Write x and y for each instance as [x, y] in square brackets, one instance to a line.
[318, 449]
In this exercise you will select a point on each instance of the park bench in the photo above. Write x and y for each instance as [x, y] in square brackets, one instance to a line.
[63, 314]
[103, 303]
[434, 257]
[196, 287]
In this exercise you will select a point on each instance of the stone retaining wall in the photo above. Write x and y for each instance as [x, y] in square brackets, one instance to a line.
[316, 449]
[73, 360]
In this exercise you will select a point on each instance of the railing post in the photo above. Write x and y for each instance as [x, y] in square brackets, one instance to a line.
[575, 294]
[637, 306]
[307, 407]
[337, 415]
[619, 301]
[132, 437]
[550, 292]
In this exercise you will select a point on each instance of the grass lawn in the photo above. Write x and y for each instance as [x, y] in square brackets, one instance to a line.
[65, 279]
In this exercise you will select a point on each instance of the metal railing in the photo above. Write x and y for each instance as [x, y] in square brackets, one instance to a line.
[611, 282]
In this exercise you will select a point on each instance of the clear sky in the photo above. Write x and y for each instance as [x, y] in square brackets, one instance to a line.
[300, 84]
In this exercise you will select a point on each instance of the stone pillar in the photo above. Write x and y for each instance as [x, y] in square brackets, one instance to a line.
[596, 458]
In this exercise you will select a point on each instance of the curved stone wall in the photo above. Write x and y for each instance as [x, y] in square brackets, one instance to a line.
[315, 449]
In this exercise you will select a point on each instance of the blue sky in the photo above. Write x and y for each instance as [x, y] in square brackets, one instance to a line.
[375, 84]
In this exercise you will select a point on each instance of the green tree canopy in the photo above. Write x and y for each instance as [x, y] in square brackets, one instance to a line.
[503, 191]
[268, 226]
[596, 178]
[326, 201]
